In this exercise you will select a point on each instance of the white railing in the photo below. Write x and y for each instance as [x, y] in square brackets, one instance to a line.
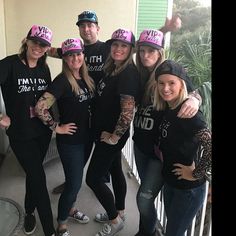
[201, 224]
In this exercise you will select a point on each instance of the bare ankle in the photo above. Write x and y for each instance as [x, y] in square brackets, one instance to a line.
[115, 221]
[121, 213]
[72, 211]
[61, 227]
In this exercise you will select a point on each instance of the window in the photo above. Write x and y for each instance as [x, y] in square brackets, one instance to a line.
[151, 14]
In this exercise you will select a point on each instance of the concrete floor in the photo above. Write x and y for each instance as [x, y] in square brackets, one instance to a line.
[12, 181]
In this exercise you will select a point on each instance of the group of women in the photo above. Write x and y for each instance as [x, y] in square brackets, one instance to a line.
[168, 129]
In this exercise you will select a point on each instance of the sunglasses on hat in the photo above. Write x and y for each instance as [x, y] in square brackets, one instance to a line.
[40, 44]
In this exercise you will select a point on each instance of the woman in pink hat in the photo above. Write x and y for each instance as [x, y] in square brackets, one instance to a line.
[150, 54]
[117, 94]
[24, 78]
[73, 90]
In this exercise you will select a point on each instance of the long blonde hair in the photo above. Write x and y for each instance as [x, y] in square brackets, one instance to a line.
[83, 73]
[147, 77]
[160, 104]
[111, 69]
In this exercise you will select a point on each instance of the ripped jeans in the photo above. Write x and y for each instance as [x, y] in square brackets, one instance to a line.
[149, 169]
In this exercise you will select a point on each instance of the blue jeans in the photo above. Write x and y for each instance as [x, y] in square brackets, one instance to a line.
[181, 205]
[149, 169]
[72, 158]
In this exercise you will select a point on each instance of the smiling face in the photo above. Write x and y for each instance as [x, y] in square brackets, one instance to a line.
[169, 87]
[89, 32]
[35, 49]
[74, 61]
[120, 51]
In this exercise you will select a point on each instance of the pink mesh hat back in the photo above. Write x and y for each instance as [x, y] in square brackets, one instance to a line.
[40, 33]
[72, 45]
[123, 35]
[152, 38]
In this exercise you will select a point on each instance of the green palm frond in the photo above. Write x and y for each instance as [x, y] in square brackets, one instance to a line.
[195, 55]
[205, 90]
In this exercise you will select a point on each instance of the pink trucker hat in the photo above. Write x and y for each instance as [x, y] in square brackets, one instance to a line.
[40, 33]
[72, 45]
[123, 35]
[152, 38]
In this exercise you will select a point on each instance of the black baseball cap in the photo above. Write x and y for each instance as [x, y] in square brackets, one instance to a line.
[172, 68]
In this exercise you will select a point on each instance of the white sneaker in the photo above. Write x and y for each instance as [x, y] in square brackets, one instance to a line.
[64, 232]
[80, 217]
[111, 229]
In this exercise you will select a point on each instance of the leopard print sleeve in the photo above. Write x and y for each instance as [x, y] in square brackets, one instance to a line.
[203, 167]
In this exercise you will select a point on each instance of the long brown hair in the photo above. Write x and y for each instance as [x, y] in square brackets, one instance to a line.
[111, 69]
[83, 73]
[147, 77]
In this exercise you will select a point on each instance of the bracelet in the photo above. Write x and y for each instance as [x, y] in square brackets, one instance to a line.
[111, 142]
[53, 126]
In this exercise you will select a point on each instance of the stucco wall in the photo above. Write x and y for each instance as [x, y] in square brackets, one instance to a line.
[60, 17]
[3, 137]
[2, 31]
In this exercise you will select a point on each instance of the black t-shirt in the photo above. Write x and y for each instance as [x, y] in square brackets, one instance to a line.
[72, 108]
[21, 88]
[95, 57]
[179, 145]
[107, 102]
[146, 123]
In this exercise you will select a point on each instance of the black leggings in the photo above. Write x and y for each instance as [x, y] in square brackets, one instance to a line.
[30, 154]
[108, 158]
